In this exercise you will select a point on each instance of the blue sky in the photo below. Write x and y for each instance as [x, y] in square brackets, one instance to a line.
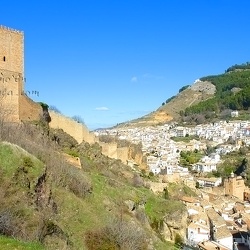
[112, 61]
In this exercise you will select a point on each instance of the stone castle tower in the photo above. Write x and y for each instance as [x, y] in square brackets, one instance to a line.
[14, 105]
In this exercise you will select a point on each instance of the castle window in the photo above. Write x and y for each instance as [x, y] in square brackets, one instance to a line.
[4, 58]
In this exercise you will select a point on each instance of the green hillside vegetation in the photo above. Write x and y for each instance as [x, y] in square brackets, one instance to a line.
[243, 66]
[236, 162]
[46, 203]
[232, 92]
[7, 243]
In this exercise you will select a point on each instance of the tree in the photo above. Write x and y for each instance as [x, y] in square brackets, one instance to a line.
[166, 194]
[183, 88]
[55, 109]
[178, 240]
[78, 119]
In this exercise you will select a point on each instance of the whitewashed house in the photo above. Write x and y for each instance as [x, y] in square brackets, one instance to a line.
[234, 113]
[209, 182]
[219, 231]
[197, 232]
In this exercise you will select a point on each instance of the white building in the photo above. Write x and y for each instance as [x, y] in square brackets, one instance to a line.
[197, 232]
[209, 182]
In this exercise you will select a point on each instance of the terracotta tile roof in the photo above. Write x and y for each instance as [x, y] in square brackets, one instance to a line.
[195, 226]
[215, 218]
[222, 232]
[188, 199]
[209, 245]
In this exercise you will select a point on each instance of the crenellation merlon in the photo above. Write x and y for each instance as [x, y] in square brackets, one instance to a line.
[10, 29]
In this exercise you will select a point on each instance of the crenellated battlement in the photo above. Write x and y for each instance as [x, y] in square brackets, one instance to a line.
[10, 29]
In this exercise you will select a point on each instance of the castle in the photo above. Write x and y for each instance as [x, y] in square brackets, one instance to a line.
[16, 106]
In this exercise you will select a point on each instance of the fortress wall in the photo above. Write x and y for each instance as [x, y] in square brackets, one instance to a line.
[122, 154]
[29, 110]
[77, 130]
[109, 149]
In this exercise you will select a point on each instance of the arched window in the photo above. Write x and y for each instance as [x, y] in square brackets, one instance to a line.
[4, 58]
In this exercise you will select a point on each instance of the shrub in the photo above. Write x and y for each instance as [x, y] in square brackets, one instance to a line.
[119, 234]
[178, 240]
[7, 225]
[137, 181]
[27, 162]
[78, 184]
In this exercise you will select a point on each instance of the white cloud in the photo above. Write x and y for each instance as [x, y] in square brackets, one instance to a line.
[102, 108]
[134, 79]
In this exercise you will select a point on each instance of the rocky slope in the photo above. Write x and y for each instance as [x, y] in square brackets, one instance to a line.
[197, 92]
[97, 206]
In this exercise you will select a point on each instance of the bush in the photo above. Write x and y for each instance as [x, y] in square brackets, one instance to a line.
[119, 234]
[27, 162]
[78, 184]
[137, 181]
[178, 240]
[7, 225]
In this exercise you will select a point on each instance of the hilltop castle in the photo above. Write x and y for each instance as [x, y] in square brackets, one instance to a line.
[15, 106]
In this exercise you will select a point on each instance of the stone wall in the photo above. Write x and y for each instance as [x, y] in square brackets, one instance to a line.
[29, 110]
[109, 149]
[77, 130]
[11, 50]
[123, 154]
[10, 90]
[17, 107]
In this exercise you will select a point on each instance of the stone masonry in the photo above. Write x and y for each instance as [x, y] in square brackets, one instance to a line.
[15, 106]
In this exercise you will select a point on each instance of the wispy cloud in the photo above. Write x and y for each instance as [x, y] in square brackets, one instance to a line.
[146, 78]
[102, 108]
[134, 79]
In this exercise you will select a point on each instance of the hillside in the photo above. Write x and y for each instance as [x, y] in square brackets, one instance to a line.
[208, 98]
[196, 93]
[48, 203]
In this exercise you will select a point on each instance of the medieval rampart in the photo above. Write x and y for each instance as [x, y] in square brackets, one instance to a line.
[77, 130]
[109, 149]
[29, 110]
[15, 106]
[123, 154]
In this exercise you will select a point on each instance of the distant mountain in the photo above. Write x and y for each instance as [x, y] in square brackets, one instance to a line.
[208, 98]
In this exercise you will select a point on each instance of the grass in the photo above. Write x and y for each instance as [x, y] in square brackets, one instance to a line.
[184, 139]
[96, 210]
[178, 190]
[157, 208]
[74, 216]
[166, 245]
[12, 156]
[7, 243]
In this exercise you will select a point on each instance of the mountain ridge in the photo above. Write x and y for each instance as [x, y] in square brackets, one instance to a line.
[209, 96]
